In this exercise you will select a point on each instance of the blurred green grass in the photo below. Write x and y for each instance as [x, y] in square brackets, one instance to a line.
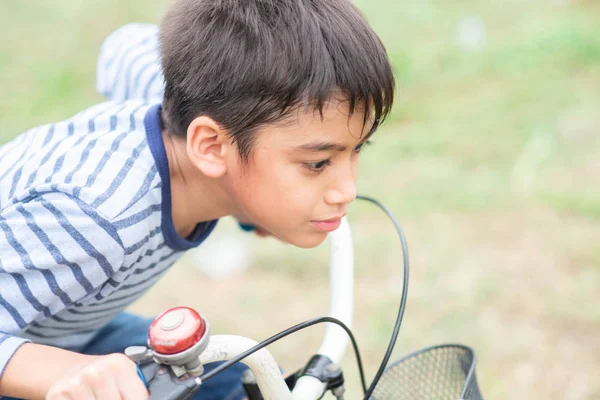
[491, 160]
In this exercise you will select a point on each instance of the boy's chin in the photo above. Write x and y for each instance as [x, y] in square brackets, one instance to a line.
[308, 241]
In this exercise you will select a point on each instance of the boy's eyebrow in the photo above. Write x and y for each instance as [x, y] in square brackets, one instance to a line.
[317, 146]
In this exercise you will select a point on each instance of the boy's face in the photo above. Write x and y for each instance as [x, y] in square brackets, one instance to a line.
[301, 175]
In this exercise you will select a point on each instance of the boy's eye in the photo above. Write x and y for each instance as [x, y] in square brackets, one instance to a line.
[358, 148]
[317, 166]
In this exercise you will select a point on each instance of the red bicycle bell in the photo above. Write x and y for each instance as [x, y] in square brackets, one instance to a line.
[176, 330]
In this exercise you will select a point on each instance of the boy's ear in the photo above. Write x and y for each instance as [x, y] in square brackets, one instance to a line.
[207, 144]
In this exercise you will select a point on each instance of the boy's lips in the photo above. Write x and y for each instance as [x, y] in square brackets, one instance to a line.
[328, 225]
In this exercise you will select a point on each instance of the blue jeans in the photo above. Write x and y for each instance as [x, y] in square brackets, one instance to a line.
[131, 330]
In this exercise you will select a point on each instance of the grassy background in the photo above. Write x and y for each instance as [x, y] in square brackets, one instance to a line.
[491, 161]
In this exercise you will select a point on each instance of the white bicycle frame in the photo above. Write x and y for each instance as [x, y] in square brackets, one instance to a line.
[334, 344]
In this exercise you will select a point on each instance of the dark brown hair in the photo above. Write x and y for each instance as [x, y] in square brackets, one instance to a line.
[246, 63]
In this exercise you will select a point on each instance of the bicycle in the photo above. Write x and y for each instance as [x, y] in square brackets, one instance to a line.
[179, 344]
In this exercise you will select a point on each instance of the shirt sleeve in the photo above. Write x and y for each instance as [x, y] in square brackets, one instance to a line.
[128, 65]
[54, 251]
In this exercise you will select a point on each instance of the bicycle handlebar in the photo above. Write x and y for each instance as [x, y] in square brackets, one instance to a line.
[335, 341]
[180, 355]
[263, 365]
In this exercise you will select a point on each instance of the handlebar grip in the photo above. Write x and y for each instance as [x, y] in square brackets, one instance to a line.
[163, 385]
[142, 377]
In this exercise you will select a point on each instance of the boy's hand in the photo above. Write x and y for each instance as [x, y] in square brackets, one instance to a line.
[104, 378]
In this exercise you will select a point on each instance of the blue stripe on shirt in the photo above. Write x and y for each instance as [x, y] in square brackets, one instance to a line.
[114, 283]
[150, 252]
[69, 327]
[132, 66]
[96, 311]
[143, 190]
[60, 160]
[138, 76]
[28, 264]
[86, 152]
[57, 167]
[20, 158]
[108, 154]
[16, 178]
[49, 135]
[120, 176]
[85, 208]
[122, 300]
[78, 237]
[135, 247]
[121, 61]
[85, 316]
[43, 162]
[149, 84]
[80, 322]
[56, 335]
[140, 271]
[54, 251]
[84, 156]
[14, 313]
[26, 292]
[137, 217]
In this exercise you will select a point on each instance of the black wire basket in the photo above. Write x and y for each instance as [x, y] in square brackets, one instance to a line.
[443, 372]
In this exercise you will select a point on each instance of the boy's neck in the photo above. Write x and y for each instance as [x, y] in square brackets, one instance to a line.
[195, 198]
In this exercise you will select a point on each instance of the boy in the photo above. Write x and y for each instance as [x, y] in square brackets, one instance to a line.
[266, 106]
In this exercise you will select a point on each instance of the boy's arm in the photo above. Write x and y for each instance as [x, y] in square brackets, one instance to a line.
[30, 363]
[54, 250]
[71, 375]
[128, 65]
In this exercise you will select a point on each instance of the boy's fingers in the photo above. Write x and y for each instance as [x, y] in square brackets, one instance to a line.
[108, 391]
[129, 382]
[133, 390]
[74, 389]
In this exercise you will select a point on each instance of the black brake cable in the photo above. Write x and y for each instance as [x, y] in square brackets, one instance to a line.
[367, 392]
[392, 343]
[285, 333]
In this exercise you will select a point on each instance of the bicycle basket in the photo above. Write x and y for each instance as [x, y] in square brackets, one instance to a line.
[434, 373]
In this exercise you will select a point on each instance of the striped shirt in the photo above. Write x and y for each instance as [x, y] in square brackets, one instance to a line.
[128, 65]
[85, 218]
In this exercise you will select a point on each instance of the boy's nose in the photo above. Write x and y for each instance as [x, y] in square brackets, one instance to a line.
[343, 191]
